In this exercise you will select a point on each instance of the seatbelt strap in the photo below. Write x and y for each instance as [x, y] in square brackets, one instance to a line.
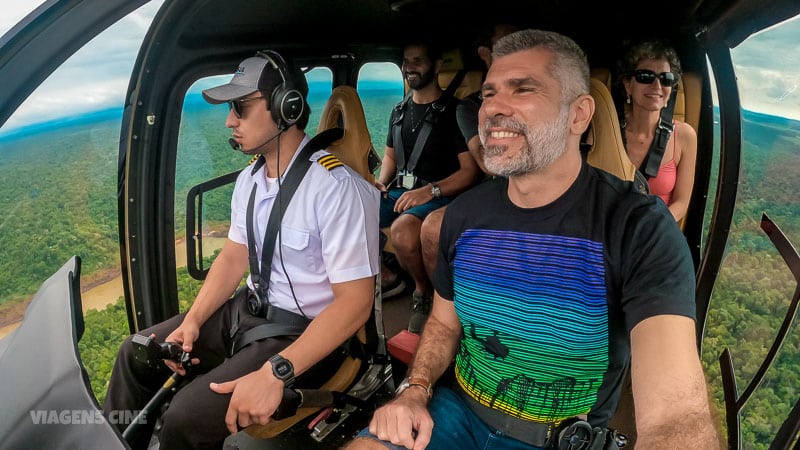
[267, 330]
[429, 119]
[652, 162]
[294, 176]
[397, 127]
[283, 323]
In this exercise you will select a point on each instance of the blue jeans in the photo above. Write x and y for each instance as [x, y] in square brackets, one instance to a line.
[388, 200]
[455, 426]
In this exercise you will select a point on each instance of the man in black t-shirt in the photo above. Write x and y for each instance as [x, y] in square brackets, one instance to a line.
[552, 283]
[426, 164]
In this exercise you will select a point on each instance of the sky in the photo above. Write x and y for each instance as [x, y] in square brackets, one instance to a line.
[97, 76]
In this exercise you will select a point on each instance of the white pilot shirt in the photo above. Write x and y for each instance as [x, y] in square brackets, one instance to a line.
[329, 232]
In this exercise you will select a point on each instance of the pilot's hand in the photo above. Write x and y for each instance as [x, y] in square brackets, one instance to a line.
[404, 421]
[185, 335]
[412, 198]
[255, 398]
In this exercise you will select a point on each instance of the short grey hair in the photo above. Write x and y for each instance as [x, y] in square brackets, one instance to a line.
[570, 66]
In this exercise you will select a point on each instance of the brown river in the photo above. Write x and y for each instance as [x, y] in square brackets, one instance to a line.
[102, 295]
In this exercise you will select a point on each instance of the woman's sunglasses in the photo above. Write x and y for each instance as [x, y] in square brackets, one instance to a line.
[238, 105]
[646, 76]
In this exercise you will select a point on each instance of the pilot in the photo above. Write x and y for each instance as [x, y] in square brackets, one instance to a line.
[308, 293]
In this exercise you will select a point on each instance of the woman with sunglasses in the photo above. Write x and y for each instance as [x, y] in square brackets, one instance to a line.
[650, 71]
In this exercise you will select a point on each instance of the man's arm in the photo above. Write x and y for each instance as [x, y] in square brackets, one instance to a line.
[224, 276]
[461, 180]
[669, 387]
[388, 170]
[396, 421]
[351, 307]
[439, 341]
[256, 396]
[456, 183]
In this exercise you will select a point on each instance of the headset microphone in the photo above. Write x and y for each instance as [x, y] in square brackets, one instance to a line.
[238, 147]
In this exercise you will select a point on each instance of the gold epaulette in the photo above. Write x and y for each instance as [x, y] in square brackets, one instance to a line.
[329, 162]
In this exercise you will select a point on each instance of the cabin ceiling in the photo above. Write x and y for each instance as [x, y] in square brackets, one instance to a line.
[339, 22]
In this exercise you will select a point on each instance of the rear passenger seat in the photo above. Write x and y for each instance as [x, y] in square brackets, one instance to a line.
[451, 64]
[608, 151]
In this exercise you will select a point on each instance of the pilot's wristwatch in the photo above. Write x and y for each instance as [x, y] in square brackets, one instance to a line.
[283, 370]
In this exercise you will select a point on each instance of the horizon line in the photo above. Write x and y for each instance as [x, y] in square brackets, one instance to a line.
[74, 119]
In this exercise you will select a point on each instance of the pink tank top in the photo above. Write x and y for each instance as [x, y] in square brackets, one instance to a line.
[663, 183]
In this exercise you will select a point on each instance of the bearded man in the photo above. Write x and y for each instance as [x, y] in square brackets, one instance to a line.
[425, 165]
[551, 284]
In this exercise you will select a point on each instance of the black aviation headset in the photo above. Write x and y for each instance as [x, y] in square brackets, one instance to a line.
[286, 103]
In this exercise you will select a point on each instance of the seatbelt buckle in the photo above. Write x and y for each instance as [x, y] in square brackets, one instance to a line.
[667, 126]
[406, 180]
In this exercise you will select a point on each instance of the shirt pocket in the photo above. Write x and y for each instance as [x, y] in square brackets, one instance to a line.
[299, 250]
[294, 238]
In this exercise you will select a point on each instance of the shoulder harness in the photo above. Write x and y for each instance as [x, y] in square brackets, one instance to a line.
[429, 119]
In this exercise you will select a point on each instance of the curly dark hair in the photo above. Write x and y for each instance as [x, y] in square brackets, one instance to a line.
[650, 49]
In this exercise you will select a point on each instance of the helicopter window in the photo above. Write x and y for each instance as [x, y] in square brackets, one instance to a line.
[78, 125]
[58, 182]
[380, 86]
[755, 286]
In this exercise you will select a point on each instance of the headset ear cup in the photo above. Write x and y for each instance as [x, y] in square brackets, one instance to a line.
[291, 106]
[287, 103]
[286, 106]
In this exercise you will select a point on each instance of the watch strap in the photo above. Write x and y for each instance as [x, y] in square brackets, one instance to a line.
[436, 191]
[423, 383]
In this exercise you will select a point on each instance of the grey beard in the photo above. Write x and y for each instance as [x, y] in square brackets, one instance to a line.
[545, 144]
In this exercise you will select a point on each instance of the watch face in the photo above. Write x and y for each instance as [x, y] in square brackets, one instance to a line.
[283, 369]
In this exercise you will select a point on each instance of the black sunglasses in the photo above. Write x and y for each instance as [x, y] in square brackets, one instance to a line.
[646, 76]
[238, 105]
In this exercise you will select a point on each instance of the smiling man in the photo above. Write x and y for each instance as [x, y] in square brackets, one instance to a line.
[552, 282]
[425, 165]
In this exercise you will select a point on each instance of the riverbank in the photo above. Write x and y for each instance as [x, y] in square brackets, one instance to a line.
[104, 287]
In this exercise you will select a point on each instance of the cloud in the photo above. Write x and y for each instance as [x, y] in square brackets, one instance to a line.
[768, 70]
[95, 77]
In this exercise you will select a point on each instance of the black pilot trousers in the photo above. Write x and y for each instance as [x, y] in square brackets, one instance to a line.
[195, 418]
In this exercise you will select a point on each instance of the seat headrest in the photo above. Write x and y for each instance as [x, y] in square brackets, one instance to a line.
[452, 62]
[344, 110]
[470, 83]
[608, 151]
[687, 102]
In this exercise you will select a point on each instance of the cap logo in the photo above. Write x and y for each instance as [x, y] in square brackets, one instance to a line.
[239, 70]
